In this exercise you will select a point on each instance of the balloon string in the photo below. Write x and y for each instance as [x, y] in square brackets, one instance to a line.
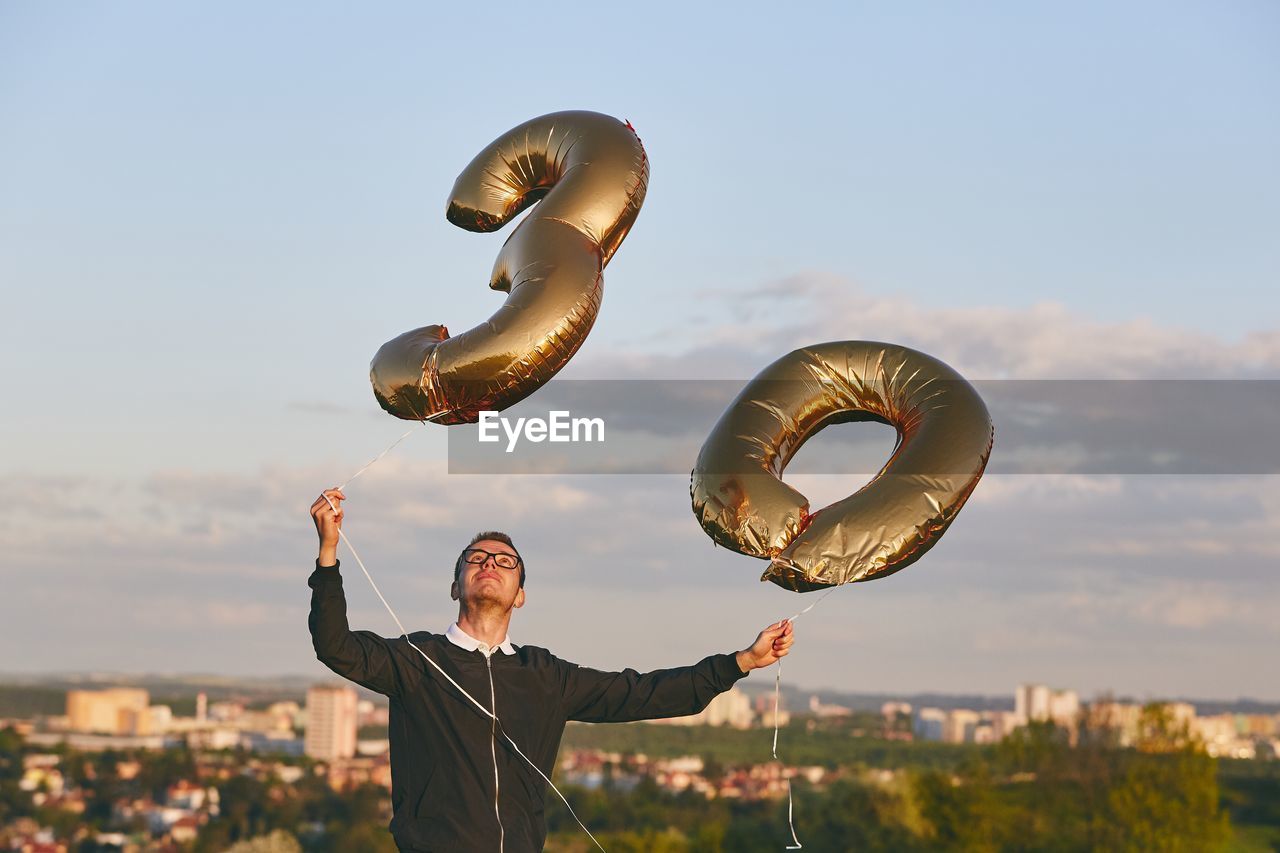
[369, 464]
[392, 446]
[777, 690]
[490, 714]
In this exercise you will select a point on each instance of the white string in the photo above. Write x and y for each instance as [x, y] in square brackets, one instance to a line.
[777, 689]
[369, 464]
[777, 682]
[425, 657]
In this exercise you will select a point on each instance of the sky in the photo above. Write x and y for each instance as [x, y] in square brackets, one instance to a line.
[211, 216]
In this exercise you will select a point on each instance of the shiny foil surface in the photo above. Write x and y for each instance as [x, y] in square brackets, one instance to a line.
[945, 436]
[587, 174]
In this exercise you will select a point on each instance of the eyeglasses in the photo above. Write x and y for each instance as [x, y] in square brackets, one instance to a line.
[478, 556]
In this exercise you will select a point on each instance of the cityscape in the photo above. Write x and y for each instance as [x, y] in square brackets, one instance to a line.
[336, 737]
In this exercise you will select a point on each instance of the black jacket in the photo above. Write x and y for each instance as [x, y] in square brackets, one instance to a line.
[443, 752]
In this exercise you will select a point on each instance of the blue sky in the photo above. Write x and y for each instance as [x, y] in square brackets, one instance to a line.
[212, 216]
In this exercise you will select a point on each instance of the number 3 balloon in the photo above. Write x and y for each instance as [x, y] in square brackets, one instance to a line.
[944, 440]
[587, 173]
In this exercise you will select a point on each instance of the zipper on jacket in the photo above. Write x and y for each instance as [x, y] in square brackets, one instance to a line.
[493, 742]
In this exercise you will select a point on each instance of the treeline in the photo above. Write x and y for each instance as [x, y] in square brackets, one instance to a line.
[324, 821]
[805, 742]
[1034, 791]
[22, 702]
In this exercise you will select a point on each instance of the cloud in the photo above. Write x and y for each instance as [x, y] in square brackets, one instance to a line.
[1042, 341]
[1189, 607]
[213, 616]
[1196, 606]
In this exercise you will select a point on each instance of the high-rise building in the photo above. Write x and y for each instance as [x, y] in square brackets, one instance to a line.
[822, 709]
[1002, 723]
[930, 723]
[731, 708]
[331, 722]
[889, 710]
[1181, 714]
[116, 711]
[1123, 718]
[1037, 702]
[1064, 707]
[960, 726]
[1031, 702]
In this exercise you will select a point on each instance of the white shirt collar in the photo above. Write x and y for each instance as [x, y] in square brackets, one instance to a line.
[461, 638]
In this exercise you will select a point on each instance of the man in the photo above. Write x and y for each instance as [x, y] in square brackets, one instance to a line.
[456, 782]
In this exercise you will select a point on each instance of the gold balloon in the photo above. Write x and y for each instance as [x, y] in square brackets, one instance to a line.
[587, 173]
[945, 436]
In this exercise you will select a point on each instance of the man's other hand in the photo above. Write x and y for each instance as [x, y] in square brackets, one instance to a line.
[328, 523]
[773, 643]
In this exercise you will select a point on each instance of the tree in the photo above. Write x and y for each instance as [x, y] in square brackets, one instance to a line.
[1167, 797]
[709, 838]
[365, 838]
[960, 810]
[849, 815]
[14, 802]
[278, 841]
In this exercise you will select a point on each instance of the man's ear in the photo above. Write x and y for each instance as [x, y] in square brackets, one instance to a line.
[519, 602]
[453, 590]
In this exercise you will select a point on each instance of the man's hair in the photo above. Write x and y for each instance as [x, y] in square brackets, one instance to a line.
[493, 536]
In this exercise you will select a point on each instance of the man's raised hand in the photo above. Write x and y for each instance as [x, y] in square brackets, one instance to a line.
[773, 643]
[328, 523]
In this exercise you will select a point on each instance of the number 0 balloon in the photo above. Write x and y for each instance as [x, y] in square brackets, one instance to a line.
[587, 173]
[944, 440]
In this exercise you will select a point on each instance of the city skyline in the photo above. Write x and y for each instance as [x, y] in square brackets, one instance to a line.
[252, 688]
[327, 726]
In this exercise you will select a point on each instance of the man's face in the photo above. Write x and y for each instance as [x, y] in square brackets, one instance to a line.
[487, 583]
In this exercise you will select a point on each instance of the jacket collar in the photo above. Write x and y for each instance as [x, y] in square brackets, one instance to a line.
[461, 638]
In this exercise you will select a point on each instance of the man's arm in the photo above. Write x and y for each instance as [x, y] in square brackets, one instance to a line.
[361, 656]
[594, 696]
